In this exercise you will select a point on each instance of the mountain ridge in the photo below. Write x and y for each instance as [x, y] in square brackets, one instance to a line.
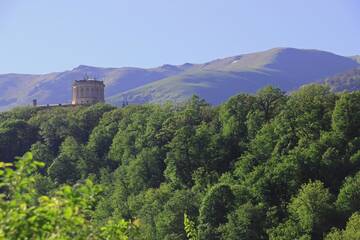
[216, 80]
[251, 73]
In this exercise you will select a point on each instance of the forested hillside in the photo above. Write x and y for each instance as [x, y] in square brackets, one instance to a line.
[262, 166]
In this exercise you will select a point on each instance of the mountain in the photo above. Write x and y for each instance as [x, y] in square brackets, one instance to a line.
[356, 58]
[287, 68]
[20, 89]
[347, 81]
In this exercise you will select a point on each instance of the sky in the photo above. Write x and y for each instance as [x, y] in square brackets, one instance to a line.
[41, 36]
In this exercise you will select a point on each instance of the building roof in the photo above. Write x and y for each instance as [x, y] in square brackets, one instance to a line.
[88, 80]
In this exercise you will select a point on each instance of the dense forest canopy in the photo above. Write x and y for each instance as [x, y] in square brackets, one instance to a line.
[263, 166]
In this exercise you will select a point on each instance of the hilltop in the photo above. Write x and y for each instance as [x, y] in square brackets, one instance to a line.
[216, 81]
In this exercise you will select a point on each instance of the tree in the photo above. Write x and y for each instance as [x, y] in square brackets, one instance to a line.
[102, 135]
[233, 116]
[192, 148]
[307, 113]
[246, 222]
[217, 203]
[127, 142]
[313, 209]
[349, 195]
[16, 137]
[42, 152]
[311, 214]
[66, 214]
[346, 115]
[20, 113]
[146, 207]
[190, 229]
[146, 171]
[169, 222]
[88, 118]
[65, 169]
[269, 101]
[351, 232]
[54, 126]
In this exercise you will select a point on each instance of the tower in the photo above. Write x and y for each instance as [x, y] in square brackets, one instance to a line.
[87, 91]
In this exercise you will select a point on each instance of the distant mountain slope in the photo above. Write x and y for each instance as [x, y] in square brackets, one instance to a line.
[20, 89]
[287, 68]
[356, 58]
[346, 81]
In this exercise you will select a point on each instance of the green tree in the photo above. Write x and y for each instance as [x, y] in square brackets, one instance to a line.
[190, 228]
[88, 118]
[349, 195]
[65, 166]
[307, 113]
[42, 153]
[215, 206]
[16, 137]
[102, 135]
[311, 214]
[169, 222]
[54, 124]
[246, 222]
[351, 232]
[346, 116]
[270, 101]
[233, 116]
[190, 149]
[67, 214]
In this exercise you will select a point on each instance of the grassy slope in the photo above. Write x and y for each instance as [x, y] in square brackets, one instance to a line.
[217, 80]
[346, 81]
[20, 89]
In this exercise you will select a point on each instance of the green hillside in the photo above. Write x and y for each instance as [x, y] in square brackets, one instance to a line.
[218, 80]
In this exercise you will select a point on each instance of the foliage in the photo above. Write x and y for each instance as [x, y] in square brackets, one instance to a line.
[261, 166]
[190, 228]
[349, 195]
[351, 232]
[16, 137]
[65, 214]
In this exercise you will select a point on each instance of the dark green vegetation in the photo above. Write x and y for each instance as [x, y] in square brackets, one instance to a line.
[214, 81]
[264, 166]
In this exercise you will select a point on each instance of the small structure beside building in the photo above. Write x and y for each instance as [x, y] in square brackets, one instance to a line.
[87, 91]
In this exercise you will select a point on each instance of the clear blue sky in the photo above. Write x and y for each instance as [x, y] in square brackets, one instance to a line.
[39, 36]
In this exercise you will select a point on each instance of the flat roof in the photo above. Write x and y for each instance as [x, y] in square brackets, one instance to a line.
[92, 81]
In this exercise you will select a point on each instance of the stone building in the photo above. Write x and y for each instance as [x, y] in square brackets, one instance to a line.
[87, 91]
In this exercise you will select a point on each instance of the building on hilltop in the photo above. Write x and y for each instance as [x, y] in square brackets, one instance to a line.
[87, 91]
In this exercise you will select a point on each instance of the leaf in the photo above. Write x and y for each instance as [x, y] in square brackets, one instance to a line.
[68, 212]
[4, 164]
[67, 190]
[39, 164]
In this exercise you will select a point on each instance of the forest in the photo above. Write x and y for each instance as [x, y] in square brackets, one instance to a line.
[268, 165]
